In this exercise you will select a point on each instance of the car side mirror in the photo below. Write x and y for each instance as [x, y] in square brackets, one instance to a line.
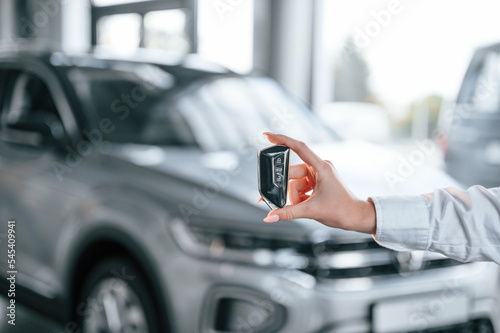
[42, 128]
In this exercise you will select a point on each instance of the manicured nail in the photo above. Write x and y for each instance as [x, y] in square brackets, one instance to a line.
[267, 133]
[260, 199]
[272, 218]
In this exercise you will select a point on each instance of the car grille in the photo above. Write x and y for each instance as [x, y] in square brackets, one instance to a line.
[367, 259]
[330, 259]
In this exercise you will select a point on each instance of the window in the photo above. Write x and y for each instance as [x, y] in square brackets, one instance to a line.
[486, 95]
[231, 113]
[30, 97]
[121, 27]
[166, 30]
[119, 33]
[375, 49]
[225, 31]
[31, 108]
[134, 107]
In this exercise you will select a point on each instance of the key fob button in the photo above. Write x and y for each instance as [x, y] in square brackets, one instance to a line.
[278, 171]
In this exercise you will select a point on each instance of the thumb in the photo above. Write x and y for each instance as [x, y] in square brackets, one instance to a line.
[287, 213]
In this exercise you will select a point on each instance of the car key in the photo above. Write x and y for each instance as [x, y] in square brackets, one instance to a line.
[273, 165]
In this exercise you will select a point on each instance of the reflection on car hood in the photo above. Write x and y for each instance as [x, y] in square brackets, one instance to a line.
[367, 169]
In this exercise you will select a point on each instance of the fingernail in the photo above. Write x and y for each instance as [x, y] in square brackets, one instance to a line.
[260, 199]
[267, 133]
[272, 218]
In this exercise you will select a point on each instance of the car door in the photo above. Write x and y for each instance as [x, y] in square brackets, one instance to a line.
[31, 135]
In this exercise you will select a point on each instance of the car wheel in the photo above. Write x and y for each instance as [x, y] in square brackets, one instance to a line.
[115, 298]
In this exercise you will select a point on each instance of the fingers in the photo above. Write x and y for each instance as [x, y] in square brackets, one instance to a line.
[288, 213]
[306, 154]
[330, 163]
[298, 171]
[297, 188]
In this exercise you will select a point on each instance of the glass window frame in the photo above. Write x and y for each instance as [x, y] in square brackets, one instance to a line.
[144, 7]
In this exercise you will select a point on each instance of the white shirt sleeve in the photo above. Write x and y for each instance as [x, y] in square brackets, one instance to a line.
[463, 225]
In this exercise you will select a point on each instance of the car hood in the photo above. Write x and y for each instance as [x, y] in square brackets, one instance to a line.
[367, 169]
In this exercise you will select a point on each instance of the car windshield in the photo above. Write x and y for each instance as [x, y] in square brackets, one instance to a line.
[223, 113]
[134, 104]
[230, 112]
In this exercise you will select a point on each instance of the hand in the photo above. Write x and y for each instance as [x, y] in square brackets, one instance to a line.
[330, 202]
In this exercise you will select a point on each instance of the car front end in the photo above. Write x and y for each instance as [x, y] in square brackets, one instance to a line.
[327, 282]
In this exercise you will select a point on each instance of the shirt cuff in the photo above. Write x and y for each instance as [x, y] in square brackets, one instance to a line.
[403, 222]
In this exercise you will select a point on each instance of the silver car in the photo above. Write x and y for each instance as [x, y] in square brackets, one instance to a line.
[128, 203]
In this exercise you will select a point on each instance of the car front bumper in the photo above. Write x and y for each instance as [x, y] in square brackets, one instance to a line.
[202, 294]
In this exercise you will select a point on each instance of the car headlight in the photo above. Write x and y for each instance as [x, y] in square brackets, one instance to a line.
[244, 248]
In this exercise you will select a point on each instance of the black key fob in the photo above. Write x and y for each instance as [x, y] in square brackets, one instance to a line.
[273, 165]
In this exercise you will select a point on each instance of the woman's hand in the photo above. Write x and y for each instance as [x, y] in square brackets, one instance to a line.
[330, 202]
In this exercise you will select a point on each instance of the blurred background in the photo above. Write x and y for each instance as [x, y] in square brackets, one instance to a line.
[406, 65]
[408, 96]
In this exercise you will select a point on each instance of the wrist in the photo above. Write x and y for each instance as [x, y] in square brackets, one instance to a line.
[357, 215]
[366, 217]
